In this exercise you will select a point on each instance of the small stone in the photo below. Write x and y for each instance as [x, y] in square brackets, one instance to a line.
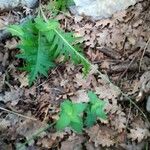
[98, 9]
[148, 104]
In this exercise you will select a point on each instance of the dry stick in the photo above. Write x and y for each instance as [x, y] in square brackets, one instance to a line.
[15, 113]
[144, 53]
[106, 79]
[135, 57]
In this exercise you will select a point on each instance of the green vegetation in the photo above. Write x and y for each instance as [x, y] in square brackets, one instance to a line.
[41, 43]
[73, 114]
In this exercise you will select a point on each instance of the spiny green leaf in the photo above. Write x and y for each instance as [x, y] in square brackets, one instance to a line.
[42, 42]
[43, 26]
[16, 30]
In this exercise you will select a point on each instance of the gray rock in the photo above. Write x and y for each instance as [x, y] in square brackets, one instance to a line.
[98, 9]
[148, 104]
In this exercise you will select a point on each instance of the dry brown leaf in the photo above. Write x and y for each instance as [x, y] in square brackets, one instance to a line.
[138, 134]
[23, 79]
[106, 91]
[2, 24]
[80, 96]
[73, 143]
[101, 135]
[11, 44]
[120, 15]
[4, 124]
[14, 96]
[105, 22]
[139, 129]
[29, 127]
[119, 121]
[84, 82]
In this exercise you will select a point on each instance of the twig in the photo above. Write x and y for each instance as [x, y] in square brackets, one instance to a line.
[144, 53]
[135, 57]
[15, 113]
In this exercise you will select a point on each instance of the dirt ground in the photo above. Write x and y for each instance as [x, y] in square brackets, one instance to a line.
[119, 47]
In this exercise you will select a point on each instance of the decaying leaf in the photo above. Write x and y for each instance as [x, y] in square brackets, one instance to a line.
[29, 127]
[73, 143]
[106, 91]
[101, 135]
[13, 96]
[119, 120]
[139, 134]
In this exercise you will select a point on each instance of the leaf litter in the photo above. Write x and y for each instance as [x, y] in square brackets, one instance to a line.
[125, 34]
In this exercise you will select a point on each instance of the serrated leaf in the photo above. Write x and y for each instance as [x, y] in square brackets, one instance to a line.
[43, 26]
[101, 114]
[93, 97]
[75, 118]
[42, 42]
[90, 120]
[79, 107]
[62, 122]
[66, 107]
[77, 126]
[15, 30]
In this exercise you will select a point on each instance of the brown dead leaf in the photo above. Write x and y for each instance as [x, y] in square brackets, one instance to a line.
[2, 24]
[14, 96]
[72, 143]
[106, 91]
[104, 23]
[139, 129]
[23, 79]
[29, 127]
[4, 124]
[119, 121]
[101, 135]
[138, 134]
[11, 44]
[120, 15]
[80, 96]
[84, 82]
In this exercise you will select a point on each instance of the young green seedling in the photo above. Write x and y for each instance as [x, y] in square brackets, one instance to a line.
[94, 110]
[71, 116]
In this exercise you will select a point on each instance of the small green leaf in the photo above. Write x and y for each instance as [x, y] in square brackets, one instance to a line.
[93, 97]
[90, 119]
[95, 109]
[79, 107]
[75, 118]
[77, 126]
[63, 122]
[101, 114]
[66, 107]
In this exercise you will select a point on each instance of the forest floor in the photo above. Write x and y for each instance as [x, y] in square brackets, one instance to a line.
[120, 48]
